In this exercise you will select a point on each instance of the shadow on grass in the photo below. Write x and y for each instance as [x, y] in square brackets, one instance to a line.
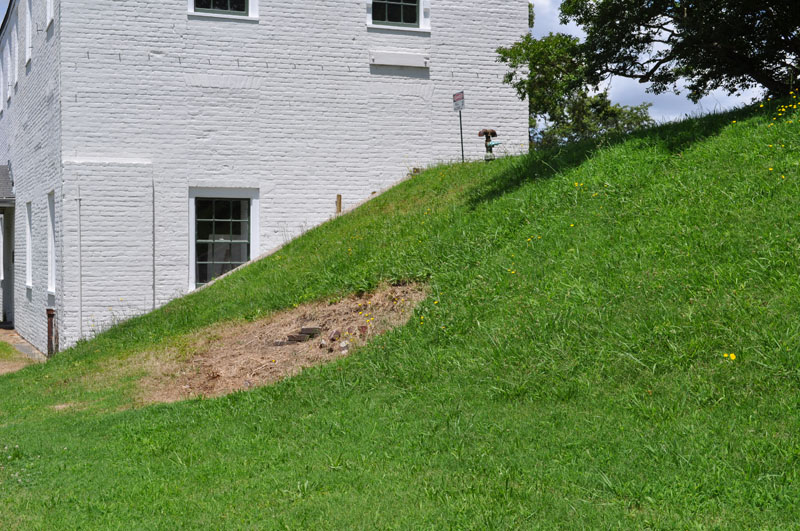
[674, 138]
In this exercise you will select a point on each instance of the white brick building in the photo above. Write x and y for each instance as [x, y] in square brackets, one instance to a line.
[154, 144]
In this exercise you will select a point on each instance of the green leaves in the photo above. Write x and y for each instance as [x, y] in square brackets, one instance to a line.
[551, 73]
[727, 44]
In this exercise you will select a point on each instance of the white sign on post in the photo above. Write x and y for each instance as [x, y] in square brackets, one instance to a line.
[458, 101]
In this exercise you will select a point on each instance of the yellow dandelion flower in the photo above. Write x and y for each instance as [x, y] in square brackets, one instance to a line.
[725, 355]
[733, 356]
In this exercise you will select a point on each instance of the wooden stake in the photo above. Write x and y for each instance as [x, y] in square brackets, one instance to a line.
[338, 204]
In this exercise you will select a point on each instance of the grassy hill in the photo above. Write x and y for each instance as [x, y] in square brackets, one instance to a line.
[573, 368]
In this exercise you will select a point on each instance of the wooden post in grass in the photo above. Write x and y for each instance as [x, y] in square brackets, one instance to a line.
[338, 204]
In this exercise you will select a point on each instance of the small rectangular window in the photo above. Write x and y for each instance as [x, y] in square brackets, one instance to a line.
[9, 81]
[15, 52]
[28, 32]
[222, 237]
[2, 80]
[51, 242]
[227, 7]
[28, 245]
[396, 12]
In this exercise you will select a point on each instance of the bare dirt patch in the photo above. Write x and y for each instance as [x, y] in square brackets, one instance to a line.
[236, 356]
[9, 366]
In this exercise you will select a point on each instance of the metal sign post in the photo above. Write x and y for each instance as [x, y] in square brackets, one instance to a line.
[458, 105]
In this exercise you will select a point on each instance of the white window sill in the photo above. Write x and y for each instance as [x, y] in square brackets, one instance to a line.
[240, 18]
[28, 61]
[49, 23]
[51, 292]
[407, 29]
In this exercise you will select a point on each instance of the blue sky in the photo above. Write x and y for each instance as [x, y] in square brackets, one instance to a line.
[625, 91]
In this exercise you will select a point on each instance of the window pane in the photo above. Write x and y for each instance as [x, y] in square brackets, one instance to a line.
[395, 13]
[240, 209]
[222, 5]
[222, 230]
[202, 4]
[410, 14]
[238, 5]
[217, 270]
[240, 252]
[202, 274]
[204, 230]
[222, 209]
[241, 230]
[203, 252]
[205, 208]
[222, 252]
[379, 11]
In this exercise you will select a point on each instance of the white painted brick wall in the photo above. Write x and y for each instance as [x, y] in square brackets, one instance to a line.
[289, 105]
[30, 138]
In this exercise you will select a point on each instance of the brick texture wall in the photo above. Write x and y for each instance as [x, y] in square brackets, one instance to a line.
[30, 137]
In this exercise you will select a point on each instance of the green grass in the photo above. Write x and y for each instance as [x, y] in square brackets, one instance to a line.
[8, 352]
[571, 375]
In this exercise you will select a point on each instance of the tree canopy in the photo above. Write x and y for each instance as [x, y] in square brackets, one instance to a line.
[551, 73]
[709, 44]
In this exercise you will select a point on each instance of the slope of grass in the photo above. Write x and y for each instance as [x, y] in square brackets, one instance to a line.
[569, 369]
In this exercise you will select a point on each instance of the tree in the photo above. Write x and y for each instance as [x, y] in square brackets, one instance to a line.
[710, 44]
[551, 73]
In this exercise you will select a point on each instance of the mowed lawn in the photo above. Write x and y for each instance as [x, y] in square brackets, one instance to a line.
[611, 340]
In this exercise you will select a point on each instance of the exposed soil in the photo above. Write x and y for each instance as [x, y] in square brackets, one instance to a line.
[9, 366]
[235, 356]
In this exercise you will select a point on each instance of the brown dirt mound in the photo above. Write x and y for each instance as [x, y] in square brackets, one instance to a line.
[236, 356]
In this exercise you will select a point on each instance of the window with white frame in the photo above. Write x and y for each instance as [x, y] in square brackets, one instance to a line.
[15, 52]
[28, 32]
[50, 13]
[7, 62]
[222, 236]
[51, 242]
[396, 12]
[223, 7]
[28, 246]
[2, 80]
[223, 231]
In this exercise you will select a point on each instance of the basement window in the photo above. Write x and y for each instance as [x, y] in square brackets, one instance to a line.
[222, 7]
[396, 12]
[222, 236]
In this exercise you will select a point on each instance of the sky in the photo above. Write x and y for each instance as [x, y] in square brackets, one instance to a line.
[667, 106]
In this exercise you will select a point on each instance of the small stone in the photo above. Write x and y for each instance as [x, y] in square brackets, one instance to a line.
[312, 331]
[299, 338]
[344, 345]
[335, 335]
[323, 344]
[362, 330]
